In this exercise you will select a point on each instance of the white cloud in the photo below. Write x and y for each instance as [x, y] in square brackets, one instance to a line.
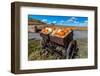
[76, 22]
[62, 21]
[83, 24]
[44, 20]
[86, 21]
[54, 21]
[71, 19]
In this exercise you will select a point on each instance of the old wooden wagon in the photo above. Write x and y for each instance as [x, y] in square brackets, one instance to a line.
[51, 41]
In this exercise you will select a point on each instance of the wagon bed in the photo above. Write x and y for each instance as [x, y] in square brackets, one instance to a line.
[62, 41]
[67, 42]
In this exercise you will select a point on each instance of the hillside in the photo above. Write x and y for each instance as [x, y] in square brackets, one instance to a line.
[35, 22]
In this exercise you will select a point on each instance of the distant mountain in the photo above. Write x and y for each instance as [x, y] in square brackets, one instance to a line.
[35, 22]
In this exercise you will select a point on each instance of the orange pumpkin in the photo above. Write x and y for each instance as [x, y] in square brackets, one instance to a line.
[45, 30]
[60, 33]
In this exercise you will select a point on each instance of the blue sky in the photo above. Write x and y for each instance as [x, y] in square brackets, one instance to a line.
[62, 20]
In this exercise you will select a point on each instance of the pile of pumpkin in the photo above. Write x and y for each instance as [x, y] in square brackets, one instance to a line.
[57, 31]
[48, 30]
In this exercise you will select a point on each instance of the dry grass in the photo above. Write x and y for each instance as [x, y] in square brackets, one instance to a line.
[35, 50]
[83, 48]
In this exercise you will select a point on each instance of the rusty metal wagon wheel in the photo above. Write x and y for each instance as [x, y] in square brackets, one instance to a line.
[72, 49]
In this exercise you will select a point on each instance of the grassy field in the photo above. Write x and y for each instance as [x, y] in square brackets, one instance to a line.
[35, 49]
[83, 48]
[35, 52]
